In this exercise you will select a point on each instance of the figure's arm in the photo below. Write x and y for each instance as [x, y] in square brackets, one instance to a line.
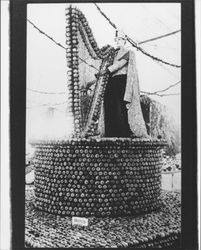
[88, 86]
[119, 64]
[112, 68]
[115, 66]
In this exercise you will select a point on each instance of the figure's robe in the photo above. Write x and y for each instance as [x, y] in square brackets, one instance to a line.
[125, 63]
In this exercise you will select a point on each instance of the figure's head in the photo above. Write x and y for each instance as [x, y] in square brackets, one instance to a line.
[120, 38]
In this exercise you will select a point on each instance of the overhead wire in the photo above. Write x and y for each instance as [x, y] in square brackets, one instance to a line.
[151, 56]
[57, 43]
[46, 104]
[160, 64]
[161, 95]
[144, 92]
[47, 93]
[134, 44]
[163, 90]
[159, 37]
[163, 66]
[42, 32]
[169, 87]
[60, 45]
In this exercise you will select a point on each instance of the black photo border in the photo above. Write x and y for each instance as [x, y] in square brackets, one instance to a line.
[18, 12]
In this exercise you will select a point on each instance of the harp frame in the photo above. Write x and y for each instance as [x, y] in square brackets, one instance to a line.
[77, 26]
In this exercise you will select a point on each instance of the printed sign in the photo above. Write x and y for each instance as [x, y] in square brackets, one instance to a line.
[80, 221]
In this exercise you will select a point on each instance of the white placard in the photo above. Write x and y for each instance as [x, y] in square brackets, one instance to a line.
[80, 221]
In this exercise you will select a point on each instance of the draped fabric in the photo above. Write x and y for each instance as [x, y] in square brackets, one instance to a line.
[132, 95]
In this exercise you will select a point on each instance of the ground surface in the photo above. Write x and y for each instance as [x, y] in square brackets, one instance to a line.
[160, 228]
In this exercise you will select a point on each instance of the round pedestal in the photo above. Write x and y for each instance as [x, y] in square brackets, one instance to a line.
[98, 177]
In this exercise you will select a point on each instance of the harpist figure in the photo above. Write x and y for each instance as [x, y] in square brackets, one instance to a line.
[122, 114]
[122, 111]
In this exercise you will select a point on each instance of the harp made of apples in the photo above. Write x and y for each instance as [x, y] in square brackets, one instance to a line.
[84, 60]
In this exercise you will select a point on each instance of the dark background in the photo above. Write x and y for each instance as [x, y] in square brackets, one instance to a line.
[18, 117]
